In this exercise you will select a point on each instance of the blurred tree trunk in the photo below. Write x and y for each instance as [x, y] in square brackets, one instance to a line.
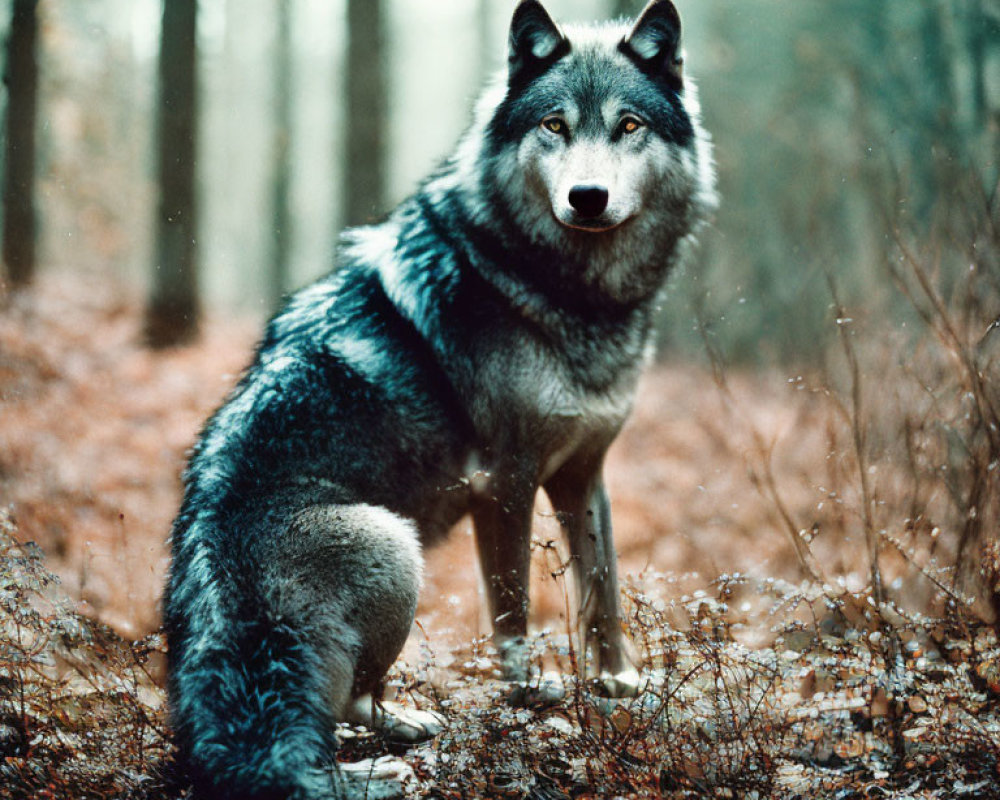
[21, 79]
[939, 106]
[279, 278]
[366, 113]
[976, 33]
[172, 314]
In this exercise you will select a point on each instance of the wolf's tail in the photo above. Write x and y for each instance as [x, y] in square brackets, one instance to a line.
[250, 710]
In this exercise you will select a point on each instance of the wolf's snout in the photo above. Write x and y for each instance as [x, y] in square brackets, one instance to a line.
[589, 200]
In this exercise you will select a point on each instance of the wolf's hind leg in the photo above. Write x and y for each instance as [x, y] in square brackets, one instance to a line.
[356, 572]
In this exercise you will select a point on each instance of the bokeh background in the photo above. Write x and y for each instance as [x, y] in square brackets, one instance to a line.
[832, 120]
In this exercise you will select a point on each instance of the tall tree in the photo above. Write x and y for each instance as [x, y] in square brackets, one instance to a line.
[21, 78]
[366, 113]
[173, 310]
[281, 146]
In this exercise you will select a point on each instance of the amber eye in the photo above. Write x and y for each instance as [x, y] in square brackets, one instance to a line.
[554, 124]
[630, 125]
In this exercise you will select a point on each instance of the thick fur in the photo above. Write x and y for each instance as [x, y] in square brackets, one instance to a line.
[481, 343]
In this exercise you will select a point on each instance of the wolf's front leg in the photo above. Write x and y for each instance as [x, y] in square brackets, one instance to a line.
[581, 502]
[503, 540]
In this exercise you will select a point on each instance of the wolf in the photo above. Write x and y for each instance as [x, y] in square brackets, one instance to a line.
[481, 343]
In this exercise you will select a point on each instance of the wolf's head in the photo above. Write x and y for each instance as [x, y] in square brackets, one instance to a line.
[595, 146]
[596, 122]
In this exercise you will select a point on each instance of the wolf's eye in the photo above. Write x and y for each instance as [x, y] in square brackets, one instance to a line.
[630, 125]
[554, 125]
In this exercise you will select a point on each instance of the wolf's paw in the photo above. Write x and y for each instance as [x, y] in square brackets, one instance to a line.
[378, 779]
[540, 692]
[515, 659]
[396, 722]
[624, 683]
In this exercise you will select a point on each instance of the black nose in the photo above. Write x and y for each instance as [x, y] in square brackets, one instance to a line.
[589, 200]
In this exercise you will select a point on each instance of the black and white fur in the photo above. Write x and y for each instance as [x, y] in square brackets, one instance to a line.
[483, 342]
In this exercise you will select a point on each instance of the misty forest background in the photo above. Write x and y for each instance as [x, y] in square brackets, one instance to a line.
[806, 498]
[834, 124]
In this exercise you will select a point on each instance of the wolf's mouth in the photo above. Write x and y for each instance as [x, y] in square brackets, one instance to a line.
[591, 225]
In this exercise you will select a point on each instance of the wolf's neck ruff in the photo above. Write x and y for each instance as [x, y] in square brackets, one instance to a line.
[530, 275]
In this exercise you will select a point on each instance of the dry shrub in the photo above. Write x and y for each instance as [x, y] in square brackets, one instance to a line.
[80, 716]
[910, 489]
[830, 710]
[924, 414]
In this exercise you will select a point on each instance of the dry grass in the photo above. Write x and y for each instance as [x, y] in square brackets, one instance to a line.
[826, 711]
[80, 714]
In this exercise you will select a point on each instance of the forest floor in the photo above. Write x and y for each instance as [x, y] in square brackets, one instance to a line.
[773, 670]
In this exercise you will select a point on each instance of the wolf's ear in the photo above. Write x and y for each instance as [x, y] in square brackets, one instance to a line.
[535, 41]
[654, 43]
